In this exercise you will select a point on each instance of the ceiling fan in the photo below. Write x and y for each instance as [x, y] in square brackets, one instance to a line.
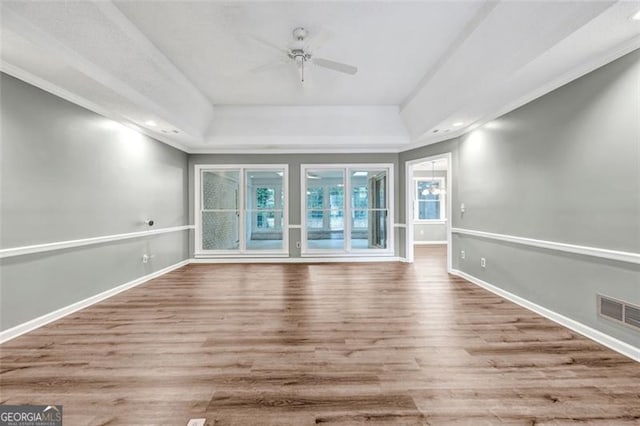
[300, 54]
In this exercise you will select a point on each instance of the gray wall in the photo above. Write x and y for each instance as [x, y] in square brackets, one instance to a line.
[563, 168]
[429, 232]
[295, 161]
[67, 173]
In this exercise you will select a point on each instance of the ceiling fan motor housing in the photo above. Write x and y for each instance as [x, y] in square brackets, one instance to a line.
[299, 54]
[300, 33]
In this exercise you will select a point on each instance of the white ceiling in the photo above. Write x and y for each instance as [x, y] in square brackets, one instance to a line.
[393, 44]
[422, 65]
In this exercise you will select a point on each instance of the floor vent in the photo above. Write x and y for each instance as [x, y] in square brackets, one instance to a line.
[619, 311]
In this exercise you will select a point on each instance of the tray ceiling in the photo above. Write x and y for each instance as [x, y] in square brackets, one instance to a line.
[422, 66]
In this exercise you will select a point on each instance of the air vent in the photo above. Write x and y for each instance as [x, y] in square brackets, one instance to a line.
[611, 308]
[632, 316]
[619, 311]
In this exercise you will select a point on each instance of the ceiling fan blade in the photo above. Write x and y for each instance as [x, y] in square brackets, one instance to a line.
[335, 66]
[268, 44]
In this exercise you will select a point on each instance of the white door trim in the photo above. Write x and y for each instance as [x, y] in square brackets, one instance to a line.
[408, 210]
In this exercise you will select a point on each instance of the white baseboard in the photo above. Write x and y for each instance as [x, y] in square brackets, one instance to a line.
[429, 243]
[31, 325]
[35, 323]
[591, 333]
[298, 259]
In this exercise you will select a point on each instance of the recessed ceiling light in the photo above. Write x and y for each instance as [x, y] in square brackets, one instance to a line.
[636, 16]
[151, 123]
[458, 124]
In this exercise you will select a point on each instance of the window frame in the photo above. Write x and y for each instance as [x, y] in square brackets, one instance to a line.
[242, 251]
[442, 200]
[346, 169]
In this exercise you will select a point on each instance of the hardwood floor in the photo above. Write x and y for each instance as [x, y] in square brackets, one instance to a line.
[295, 344]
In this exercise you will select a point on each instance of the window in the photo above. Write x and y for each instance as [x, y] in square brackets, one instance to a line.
[346, 209]
[315, 201]
[241, 209]
[265, 205]
[429, 199]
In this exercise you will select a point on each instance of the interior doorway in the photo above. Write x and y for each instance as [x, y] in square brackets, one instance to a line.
[428, 206]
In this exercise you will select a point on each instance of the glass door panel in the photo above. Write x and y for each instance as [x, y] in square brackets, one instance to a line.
[325, 209]
[220, 230]
[264, 204]
[369, 209]
[220, 210]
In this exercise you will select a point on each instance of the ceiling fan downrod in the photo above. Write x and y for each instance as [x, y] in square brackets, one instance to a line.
[300, 57]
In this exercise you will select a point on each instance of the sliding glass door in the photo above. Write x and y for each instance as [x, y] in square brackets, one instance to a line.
[241, 210]
[345, 209]
[220, 211]
[325, 209]
[369, 209]
[265, 197]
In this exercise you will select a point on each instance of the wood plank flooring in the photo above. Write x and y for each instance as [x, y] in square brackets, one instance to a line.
[295, 344]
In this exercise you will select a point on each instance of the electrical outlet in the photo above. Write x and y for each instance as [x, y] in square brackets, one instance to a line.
[145, 258]
[298, 244]
[462, 208]
[462, 254]
[483, 262]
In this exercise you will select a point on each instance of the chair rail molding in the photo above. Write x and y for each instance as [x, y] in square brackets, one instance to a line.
[59, 245]
[621, 256]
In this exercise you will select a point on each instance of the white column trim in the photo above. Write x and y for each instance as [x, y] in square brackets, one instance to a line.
[621, 256]
[59, 245]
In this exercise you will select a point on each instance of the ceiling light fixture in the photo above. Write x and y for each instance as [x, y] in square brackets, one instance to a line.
[433, 190]
[636, 16]
[458, 124]
[151, 123]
